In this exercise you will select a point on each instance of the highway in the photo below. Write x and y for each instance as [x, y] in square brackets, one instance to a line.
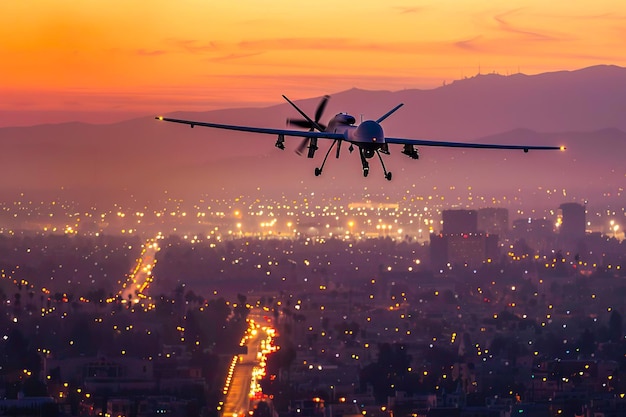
[242, 382]
[140, 277]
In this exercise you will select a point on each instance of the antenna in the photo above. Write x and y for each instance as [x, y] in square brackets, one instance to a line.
[389, 113]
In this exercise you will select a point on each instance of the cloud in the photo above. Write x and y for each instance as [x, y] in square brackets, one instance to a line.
[504, 46]
[409, 9]
[342, 44]
[468, 44]
[144, 52]
[194, 46]
[296, 44]
[506, 26]
[233, 56]
[603, 17]
[487, 43]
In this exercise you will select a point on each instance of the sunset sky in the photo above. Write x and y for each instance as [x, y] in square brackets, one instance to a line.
[101, 61]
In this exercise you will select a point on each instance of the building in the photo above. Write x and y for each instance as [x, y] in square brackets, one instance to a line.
[472, 249]
[573, 221]
[494, 221]
[459, 221]
[537, 233]
[462, 242]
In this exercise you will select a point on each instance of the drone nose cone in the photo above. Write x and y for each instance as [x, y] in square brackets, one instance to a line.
[370, 131]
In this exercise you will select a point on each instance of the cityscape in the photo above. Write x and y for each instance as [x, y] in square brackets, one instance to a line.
[314, 305]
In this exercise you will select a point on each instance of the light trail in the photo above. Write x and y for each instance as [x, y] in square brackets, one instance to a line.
[139, 279]
[246, 370]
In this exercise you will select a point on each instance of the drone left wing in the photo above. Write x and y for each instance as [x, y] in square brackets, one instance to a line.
[446, 144]
[252, 129]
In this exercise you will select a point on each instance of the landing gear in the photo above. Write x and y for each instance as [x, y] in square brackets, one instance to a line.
[364, 163]
[318, 171]
[387, 174]
[312, 147]
[363, 153]
[366, 166]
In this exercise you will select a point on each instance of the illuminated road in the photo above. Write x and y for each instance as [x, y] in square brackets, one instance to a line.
[248, 367]
[141, 276]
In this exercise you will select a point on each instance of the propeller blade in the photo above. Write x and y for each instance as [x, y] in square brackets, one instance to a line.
[302, 146]
[320, 108]
[300, 123]
[314, 124]
[318, 113]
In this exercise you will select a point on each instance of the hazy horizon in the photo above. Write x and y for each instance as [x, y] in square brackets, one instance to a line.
[114, 114]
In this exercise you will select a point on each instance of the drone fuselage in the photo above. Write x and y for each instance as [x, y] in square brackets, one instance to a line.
[368, 136]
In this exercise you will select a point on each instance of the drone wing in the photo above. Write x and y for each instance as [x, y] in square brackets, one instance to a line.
[446, 144]
[252, 129]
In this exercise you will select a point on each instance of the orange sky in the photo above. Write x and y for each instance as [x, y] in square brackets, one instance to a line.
[98, 60]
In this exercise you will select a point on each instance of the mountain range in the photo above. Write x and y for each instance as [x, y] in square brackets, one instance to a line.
[582, 110]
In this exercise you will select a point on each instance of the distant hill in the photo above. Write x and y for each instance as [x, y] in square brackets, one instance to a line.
[583, 110]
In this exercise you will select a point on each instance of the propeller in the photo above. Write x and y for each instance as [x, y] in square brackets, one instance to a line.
[307, 123]
[305, 142]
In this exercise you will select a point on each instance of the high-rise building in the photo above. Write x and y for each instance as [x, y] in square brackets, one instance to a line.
[537, 233]
[493, 220]
[459, 221]
[472, 249]
[573, 221]
[463, 242]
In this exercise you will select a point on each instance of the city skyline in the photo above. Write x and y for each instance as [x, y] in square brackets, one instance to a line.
[333, 304]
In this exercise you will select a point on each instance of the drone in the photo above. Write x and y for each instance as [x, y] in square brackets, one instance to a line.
[367, 138]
